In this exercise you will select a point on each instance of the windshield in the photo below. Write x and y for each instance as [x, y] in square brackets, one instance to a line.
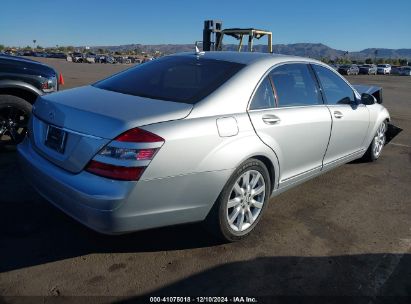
[174, 78]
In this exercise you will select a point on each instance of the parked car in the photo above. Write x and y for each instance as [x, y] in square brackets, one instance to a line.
[78, 57]
[9, 52]
[21, 82]
[395, 70]
[405, 71]
[384, 69]
[349, 69]
[154, 146]
[40, 54]
[58, 55]
[105, 59]
[28, 53]
[368, 69]
[90, 58]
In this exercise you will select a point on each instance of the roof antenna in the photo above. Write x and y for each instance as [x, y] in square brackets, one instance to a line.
[198, 52]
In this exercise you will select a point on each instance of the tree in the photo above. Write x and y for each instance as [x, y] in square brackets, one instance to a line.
[380, 61]
[325, 59]
[403, 61]
[368, 61]
[2, 47]
[39, 47]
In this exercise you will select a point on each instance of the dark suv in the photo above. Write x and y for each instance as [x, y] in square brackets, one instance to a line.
[21, 82]
[348, 69]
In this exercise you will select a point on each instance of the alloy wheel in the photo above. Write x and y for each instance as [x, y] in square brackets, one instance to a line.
[13, 125]
[379, 140]
[246, 200]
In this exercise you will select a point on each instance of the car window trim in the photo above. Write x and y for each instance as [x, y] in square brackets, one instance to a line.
[317, 83]
[274, 90]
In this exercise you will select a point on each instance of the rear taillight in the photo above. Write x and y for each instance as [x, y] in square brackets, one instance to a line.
[115, 172]
[127, 156]
[127, 153]
[137, 135]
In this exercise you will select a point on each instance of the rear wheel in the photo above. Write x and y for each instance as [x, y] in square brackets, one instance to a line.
[378, 142]
[14, 116]
[241, 203]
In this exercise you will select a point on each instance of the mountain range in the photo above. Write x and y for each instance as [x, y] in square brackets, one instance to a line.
[313, 50]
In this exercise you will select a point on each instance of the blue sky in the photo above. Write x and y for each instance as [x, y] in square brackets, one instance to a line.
[345, 24]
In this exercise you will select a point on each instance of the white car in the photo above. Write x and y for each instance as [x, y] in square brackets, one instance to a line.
[406, 71]
[384, 69]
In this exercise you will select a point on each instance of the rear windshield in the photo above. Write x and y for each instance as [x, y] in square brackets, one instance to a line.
[179, 79]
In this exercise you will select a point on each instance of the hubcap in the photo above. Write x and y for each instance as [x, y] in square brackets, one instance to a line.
[379, 140]
[13, 125]
[246, 200]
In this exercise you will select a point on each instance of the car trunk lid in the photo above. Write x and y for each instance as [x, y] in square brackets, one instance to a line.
[90, 118]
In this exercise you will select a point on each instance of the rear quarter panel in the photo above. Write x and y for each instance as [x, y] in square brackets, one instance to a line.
[194, 146]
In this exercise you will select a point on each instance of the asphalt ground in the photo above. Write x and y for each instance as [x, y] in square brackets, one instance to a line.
[345, 233]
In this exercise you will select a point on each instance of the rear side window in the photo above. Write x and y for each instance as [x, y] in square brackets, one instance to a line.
[174, 78]
[336, 90]
[295, 86]
[264, 96]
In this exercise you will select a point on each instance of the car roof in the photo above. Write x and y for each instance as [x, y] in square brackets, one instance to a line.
[246, 58]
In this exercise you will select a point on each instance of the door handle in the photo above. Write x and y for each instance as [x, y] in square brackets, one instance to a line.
[338, 114]
[271, 119]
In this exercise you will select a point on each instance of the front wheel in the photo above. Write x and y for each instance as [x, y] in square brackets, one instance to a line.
[378, 142]
[14, 116]
[241, 203]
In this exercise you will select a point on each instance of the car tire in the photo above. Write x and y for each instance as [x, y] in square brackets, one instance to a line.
[237, 202]
[14, 116]
[375, 148]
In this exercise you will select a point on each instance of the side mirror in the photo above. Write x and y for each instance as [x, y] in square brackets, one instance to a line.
[368, 99]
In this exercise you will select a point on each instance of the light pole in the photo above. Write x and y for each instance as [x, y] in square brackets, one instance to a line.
[34, 44]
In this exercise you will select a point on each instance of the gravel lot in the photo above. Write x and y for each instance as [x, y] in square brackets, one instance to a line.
[347, 232]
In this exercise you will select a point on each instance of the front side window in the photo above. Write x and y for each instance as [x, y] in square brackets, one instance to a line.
[264, 96]
[173, 78]
[336, 90]
[295, 86]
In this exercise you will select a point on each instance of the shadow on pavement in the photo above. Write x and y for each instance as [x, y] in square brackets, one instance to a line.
[353, 276]
[32, 232]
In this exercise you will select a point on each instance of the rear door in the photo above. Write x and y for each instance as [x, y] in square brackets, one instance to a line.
[350, 118]
[289, 116]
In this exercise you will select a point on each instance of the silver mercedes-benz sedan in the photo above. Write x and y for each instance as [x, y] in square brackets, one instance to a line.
[196, 137]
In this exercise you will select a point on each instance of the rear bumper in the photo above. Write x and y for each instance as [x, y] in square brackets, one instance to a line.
[115, 207]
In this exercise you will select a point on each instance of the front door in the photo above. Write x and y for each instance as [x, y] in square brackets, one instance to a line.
[350, 118]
